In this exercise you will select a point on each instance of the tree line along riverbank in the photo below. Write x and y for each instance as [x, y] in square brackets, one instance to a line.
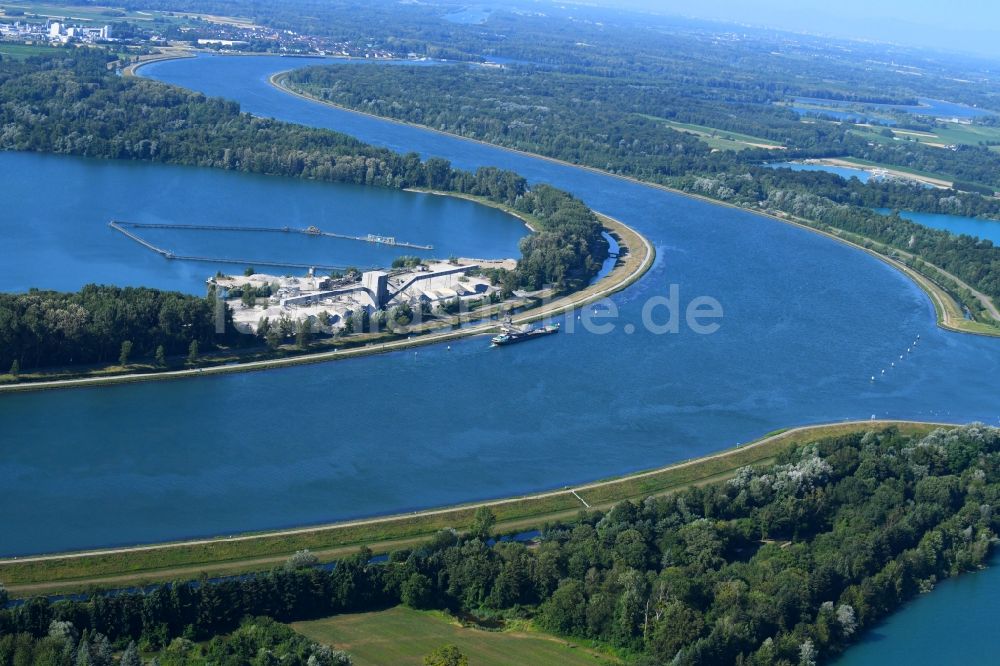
[136, 565]
[793, 545]
[645, 149]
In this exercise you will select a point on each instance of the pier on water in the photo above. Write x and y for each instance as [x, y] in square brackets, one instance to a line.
[167, 254]
[308, 231]
[126, 227]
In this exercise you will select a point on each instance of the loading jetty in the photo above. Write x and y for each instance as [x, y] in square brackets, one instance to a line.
[122, 227]
[308, 231]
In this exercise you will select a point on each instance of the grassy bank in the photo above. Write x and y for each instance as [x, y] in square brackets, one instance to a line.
[404, 636]
[165, 53]
[186, 560]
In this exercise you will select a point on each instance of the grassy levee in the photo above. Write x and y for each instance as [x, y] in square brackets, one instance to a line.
[122, 567]
[247, 552]
[940, 286]
[165, 53]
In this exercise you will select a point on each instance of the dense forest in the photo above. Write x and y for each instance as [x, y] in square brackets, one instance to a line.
[616, 123]
[568, 249]
[782, 564]
[731, 64]
[75, 105]
[90, 326]
[258, 640]
[600, 94]
[544, 112]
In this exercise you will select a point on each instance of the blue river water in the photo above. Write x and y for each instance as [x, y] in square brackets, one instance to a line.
[954, 624]
[937, 108]
[806, 323]
[956, 224]
[844, 172]
[848, 116]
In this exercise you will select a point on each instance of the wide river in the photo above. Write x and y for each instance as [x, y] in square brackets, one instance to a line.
[807, 323]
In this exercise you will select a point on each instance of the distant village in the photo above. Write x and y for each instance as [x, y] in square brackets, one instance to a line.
[175, 29]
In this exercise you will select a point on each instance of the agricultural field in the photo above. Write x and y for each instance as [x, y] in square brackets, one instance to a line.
[719, 139]
[41, 10]
[946, 135]
[404, 636]
[22, 51]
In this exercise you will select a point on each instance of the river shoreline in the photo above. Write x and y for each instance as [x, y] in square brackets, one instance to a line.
[623, 275]
[939, 183]
[177, 54]
[938, 295]
[948, 312]
[168, 561]
[627, 236]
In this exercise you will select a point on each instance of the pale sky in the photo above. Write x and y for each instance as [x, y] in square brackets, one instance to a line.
[972, 26]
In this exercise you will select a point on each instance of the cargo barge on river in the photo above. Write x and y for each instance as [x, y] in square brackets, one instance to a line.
[510, 333]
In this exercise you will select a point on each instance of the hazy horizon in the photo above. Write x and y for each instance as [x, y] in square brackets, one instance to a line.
[965, 26]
